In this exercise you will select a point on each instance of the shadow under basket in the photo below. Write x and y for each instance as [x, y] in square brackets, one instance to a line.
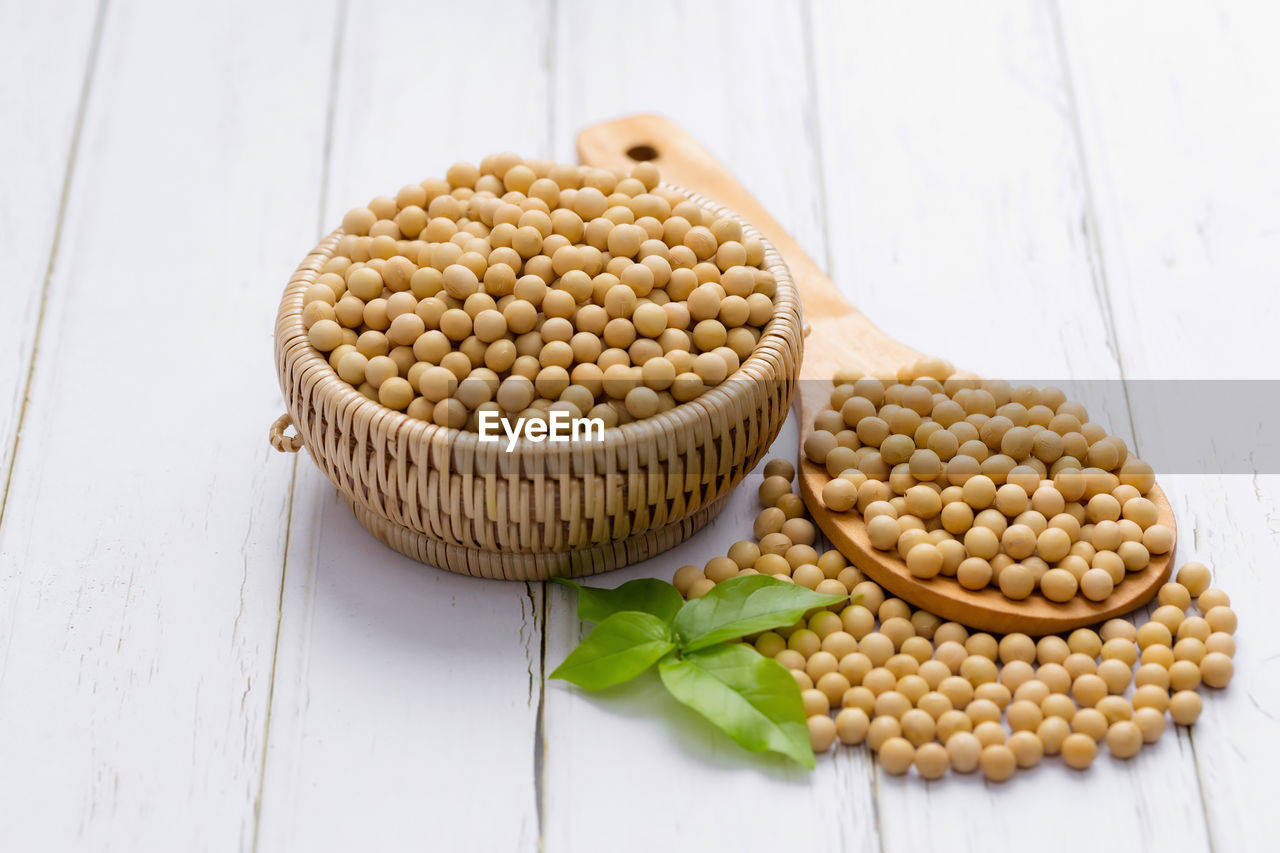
[445, 498]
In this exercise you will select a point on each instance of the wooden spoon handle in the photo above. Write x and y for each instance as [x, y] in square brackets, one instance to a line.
[847, 337]
[684, 162]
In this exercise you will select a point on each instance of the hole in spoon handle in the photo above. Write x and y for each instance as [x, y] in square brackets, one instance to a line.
[643, 152]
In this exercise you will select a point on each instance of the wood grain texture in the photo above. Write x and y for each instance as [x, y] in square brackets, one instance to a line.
[406, 698]
[140, 557]
[964, 232]
[632, 769]
[1179, 127]
[53, 44]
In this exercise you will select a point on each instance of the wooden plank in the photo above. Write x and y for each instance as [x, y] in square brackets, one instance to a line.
[141, 552]
[965, 231]
[1179, 124]
[955, 192]
[608, 751]
[1230, 524]
[701, 65]
[399, 688]
[1179, 143]
[51, 43]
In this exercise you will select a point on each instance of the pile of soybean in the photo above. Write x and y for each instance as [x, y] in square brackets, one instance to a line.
[994, 485]
[935, 696]
[526, 287]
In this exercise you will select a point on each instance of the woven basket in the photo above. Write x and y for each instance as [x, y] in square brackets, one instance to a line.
[443, 497]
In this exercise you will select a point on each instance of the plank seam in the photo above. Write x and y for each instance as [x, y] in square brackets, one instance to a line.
[553, 69]
[539, 726]
[1200, 789]
[275, 657]
[325, 174]
[330, 118]
[1102, 289]
[64, 198]
[1092, 233]
[813, 119]
[813, 124]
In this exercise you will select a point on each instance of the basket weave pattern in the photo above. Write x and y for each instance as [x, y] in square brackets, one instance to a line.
[445, 498]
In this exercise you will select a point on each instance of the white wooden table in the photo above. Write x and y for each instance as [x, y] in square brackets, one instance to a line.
[199, 647]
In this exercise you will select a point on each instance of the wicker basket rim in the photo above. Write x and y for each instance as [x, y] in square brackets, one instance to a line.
[786, 321]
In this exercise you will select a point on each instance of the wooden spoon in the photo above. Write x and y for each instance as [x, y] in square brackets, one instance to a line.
[838, 335]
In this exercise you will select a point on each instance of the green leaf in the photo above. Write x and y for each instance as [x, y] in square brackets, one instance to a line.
[744, 605]
[752, 697]
[647, 595]
[618, 649]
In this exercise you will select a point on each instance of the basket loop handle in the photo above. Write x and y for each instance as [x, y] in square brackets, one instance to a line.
[280, 441]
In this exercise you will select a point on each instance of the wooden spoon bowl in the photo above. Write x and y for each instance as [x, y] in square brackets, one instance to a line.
[986, 608]
[838, 335]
